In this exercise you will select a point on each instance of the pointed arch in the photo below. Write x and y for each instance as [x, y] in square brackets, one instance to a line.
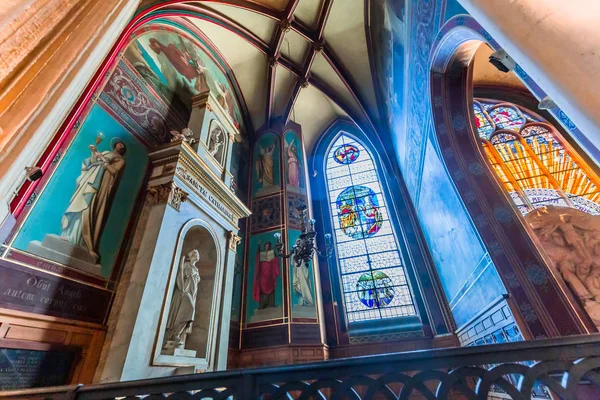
[378, 278]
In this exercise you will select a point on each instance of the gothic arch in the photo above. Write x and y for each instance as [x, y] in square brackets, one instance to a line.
[542, 304]
[427, 293]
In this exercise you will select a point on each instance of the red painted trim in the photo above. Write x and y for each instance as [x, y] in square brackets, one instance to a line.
[287, 64]
[323, 16]
[302, 31]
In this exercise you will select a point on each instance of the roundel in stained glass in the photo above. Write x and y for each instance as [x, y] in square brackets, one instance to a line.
[346, 154]
[358, 212]
[375, 289]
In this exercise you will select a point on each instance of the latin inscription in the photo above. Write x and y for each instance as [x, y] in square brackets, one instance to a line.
[29, 290]
[202, 191]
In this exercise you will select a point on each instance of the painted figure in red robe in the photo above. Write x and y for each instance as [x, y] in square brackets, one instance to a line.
[265, 277]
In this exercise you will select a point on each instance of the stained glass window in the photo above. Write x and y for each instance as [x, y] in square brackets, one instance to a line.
[373, 277]
[533, 161]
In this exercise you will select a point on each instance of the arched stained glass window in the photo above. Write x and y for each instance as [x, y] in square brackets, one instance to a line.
[373, 277]
[533, 161]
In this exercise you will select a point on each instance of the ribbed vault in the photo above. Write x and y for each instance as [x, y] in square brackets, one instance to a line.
[300, 60]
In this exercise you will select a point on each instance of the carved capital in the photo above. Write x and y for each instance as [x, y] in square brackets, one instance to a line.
[168, 193]
[233, 241]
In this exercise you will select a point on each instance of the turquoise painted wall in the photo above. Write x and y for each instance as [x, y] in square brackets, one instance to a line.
[46, 214]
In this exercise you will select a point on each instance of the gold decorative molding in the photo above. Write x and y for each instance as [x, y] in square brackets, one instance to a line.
[233, 240]
[199, 177]
[168, 193]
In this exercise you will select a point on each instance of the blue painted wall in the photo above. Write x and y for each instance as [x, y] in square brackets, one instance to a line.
[468, 276]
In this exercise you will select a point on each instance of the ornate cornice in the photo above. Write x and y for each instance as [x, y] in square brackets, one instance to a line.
[181, 161]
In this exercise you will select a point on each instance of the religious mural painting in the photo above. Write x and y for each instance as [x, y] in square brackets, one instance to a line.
[295, 178]
[302, 282]
[178, 68]
[266, 213]
[266, 172]
[373, 277]
[77, 219]
[264, 293]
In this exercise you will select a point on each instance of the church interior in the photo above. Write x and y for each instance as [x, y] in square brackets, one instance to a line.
[299, 198]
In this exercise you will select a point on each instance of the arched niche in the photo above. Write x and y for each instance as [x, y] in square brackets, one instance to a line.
[542, 304]
[200, 343]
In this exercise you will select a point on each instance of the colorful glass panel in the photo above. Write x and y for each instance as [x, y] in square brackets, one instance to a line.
[346, 154]
[358, 211]
[375, 289]
[482, 122]
[373, 278]
[537, 167]
[507, 117]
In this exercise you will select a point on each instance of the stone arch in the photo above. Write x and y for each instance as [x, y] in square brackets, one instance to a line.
[542, 304]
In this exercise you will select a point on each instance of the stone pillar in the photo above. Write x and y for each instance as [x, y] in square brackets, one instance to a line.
[558, 44]
[281, 319]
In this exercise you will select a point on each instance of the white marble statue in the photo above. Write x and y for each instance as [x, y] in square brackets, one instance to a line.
[183, 304]
[571, 238]
[215, 141]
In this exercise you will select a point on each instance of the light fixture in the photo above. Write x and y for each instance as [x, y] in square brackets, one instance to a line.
[304, 249]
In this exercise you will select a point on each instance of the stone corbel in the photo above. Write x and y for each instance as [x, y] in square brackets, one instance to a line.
[233, 240]
[168, 193]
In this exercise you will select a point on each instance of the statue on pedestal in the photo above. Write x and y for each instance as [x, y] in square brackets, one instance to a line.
[183, 304]
[571, 239]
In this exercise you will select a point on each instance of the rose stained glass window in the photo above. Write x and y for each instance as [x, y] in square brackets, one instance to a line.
[533, 161]
[373, 277]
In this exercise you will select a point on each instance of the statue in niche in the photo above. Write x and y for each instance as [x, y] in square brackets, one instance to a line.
[301, 281]
[84, 219]
[264, 166]
[215, 140]
[183, 304]
[265, 277]
[571, 238]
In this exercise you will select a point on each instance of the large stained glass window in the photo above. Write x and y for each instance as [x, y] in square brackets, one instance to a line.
[533, 161]
[373, 277]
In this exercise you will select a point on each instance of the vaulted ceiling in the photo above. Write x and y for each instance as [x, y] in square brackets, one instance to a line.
[300, 60]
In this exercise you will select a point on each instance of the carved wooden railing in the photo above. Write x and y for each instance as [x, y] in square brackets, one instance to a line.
[569, 368]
